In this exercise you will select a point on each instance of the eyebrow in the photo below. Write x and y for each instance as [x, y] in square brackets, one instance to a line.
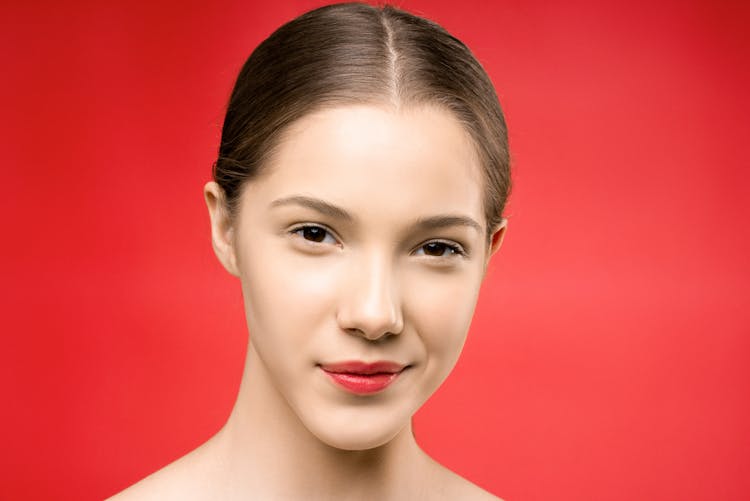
[328, 209]
[447, 221]
[315, 204]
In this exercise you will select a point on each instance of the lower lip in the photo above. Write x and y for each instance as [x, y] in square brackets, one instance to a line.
[363, 384]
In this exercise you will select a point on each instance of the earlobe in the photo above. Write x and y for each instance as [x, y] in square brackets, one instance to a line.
[222, 231]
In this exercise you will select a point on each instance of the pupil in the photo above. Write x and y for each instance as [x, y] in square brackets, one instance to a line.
[435, 249]
[314, 234]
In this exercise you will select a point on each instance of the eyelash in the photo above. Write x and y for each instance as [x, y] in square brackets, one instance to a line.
[453, 248]
[297, 230]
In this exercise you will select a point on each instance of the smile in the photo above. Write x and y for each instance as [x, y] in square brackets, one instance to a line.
[363, 378]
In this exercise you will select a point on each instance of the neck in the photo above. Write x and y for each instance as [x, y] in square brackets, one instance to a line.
[270, 453]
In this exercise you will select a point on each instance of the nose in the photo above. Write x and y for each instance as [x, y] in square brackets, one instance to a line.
[370, 305]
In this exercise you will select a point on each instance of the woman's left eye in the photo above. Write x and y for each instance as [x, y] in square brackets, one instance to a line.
[316, 234]
[440, 249]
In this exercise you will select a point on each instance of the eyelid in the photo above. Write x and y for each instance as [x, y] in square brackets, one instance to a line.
[458, 249]
[300, 226]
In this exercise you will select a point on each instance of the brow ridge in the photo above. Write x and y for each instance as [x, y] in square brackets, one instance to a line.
[428, 223]
[447, 221]
[315, 204]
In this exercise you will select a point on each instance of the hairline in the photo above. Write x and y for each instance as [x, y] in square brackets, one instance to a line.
[383, 102]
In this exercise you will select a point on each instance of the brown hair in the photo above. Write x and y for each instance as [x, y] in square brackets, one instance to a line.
[355, 53]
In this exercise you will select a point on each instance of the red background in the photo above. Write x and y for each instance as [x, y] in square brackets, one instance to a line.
[609, 355]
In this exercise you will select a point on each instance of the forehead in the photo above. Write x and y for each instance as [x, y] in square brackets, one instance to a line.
[377, 161]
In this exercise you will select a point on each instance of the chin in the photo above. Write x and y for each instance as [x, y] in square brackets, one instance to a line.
[352, 434]
[348, 441]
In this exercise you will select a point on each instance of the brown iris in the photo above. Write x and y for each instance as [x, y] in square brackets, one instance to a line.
[436, 249]
[314, 233]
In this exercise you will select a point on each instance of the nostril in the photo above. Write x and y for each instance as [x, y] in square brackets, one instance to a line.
[374, 336]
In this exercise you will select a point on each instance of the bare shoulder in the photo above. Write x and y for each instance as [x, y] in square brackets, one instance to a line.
[454, 486]
[187, 478]
[156, 486]
[171, 482]
[460, 488]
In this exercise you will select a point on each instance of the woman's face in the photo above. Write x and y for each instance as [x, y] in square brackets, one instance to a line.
[361, 249]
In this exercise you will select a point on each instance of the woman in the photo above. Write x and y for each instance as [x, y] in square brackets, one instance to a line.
[358, 196]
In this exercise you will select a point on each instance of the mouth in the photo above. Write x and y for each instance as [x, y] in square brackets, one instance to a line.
[363, 378]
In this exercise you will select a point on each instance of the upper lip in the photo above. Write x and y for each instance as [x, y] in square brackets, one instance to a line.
[359, 367]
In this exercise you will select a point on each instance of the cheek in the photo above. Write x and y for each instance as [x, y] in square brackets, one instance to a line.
[286, 299]
[441, 310]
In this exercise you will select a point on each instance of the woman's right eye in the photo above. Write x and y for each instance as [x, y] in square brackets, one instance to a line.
[316, 234]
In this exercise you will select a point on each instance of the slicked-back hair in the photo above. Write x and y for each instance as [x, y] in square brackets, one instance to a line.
[354, 53]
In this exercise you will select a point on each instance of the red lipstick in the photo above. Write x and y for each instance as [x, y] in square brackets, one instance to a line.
[363, 378]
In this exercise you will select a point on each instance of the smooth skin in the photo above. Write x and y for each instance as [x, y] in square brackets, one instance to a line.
[364, 238]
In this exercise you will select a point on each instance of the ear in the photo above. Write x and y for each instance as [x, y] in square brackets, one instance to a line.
[496, 240]
[222, 231]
